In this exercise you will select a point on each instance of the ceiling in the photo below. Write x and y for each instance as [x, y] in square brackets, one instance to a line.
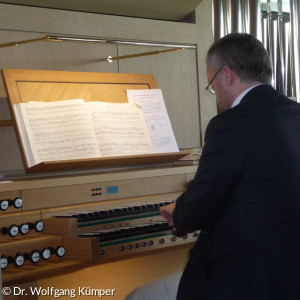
[171, 10]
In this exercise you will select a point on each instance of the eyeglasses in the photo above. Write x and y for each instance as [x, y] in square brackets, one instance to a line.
[209, 88]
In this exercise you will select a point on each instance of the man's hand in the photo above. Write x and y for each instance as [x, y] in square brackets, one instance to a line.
[167, 212]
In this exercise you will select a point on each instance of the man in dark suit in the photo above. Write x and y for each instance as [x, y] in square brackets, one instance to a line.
[245, 197]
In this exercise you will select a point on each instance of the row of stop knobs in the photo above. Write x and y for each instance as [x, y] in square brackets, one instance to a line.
[13, 230]
[19, 259]
[5, 203]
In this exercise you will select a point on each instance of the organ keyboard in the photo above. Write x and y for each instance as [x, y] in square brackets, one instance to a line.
[121, 230]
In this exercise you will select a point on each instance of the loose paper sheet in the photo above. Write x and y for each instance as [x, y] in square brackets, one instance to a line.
[156, 117]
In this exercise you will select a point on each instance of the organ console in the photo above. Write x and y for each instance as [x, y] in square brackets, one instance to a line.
[104, 222]
[63, 226]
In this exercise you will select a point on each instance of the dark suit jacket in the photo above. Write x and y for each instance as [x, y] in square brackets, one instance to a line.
[245, 198]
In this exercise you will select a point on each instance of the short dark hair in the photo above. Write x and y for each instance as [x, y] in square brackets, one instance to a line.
[244, 54]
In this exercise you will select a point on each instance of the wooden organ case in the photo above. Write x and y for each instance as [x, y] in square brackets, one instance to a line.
[89, 223]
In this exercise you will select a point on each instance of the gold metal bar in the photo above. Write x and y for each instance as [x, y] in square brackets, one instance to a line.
[51, 38]
[23, 42]
[86, 39]
[7, 123]
[110, 59]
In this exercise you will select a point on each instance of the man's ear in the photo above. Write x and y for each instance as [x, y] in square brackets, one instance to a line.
[230, 75]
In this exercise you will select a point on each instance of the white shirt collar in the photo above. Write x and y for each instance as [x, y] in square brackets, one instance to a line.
[241, 95]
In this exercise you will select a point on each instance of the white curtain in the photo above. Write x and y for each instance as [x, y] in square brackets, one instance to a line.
[276, 24]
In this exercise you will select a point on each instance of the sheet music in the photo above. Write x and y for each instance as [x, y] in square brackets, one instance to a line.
[59, 130]
[120, 128]
[156, 117]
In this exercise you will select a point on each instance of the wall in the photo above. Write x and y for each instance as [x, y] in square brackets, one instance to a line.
[176, 73]
[204, 36]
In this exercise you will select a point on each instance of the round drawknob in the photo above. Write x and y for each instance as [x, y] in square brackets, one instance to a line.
[38, 226]
[18, 202]
[13, 230]
[24, 228]
[46, 254]
[173, 238]
[4, 262]
[34, 256]
[19, 260]
[150, 243]
[60, 251]
[4, 205]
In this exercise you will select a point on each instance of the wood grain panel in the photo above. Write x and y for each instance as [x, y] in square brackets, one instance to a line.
[27, 244]
[46, 92]
[113, 161]
[71, 178]
[52, 267]
[25, 85]
[10, 195]
[67, 195]
[114, 251]
[85, 250]
[124, 275]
